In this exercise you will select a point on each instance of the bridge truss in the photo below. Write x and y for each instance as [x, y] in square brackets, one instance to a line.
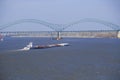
[61, 27]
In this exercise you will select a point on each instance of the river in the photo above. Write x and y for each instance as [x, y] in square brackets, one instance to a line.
[83, 59]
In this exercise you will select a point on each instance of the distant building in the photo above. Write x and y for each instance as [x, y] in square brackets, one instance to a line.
[1, 37]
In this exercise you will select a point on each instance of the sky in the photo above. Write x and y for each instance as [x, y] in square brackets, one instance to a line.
[58, 12]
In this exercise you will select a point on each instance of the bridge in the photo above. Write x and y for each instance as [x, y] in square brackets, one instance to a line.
[61, 28]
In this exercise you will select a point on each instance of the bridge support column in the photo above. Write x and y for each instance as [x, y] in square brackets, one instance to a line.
[118, 34]
[58, 35]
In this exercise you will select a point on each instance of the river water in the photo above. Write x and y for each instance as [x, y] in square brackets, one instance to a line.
[84, 59]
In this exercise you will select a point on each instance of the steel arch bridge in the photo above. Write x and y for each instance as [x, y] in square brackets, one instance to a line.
[62, 27]
[108, 24]
[55, 27]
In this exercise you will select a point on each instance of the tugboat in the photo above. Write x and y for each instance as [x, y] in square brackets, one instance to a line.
[30, 46]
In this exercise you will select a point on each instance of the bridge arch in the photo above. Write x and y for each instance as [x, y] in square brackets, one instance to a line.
[62, 27]
[108, 24]
[52, 26]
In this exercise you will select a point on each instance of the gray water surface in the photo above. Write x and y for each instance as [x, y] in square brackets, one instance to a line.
[84, 59]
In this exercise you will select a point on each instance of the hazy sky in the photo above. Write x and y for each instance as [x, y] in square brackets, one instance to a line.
[58, 11]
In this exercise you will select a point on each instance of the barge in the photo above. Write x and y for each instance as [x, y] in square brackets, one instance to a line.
[30, 46]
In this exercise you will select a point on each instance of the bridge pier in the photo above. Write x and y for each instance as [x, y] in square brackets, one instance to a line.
[58, 35]
[118, 34]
